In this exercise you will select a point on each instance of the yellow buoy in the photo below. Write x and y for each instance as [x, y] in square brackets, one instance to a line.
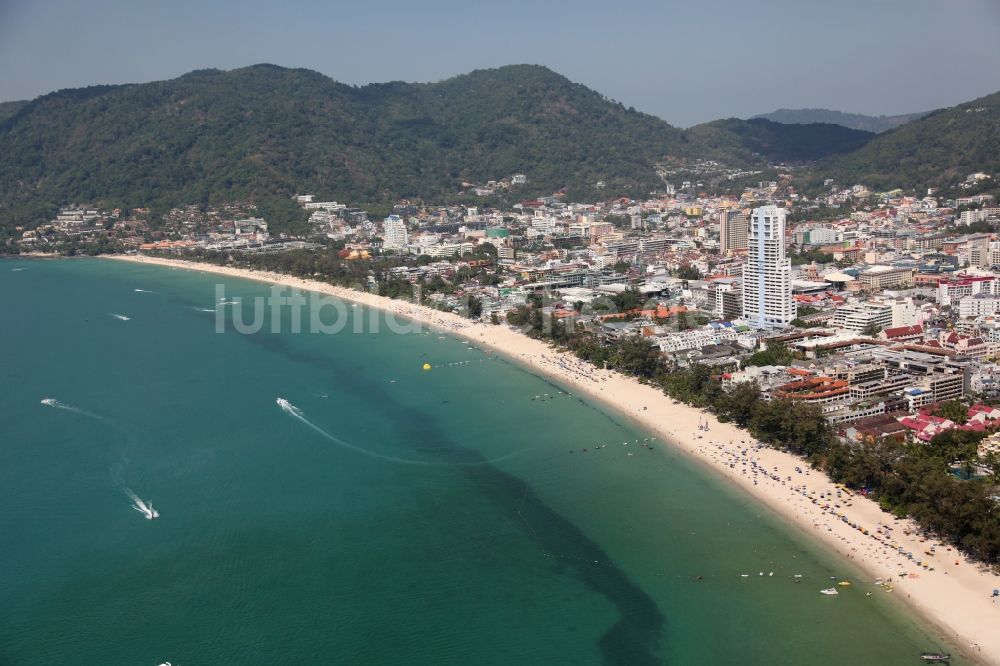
[427, 366]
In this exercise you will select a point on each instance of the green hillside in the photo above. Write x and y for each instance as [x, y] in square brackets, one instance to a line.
[266, 131]
[8, 109]
[938, 150]
[733, 139]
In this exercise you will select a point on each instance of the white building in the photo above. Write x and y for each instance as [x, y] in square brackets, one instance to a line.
[396, 237]
[979, 305]
[859, 316]
[767, 275]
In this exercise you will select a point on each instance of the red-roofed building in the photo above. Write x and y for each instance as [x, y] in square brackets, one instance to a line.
[817, 390]
[903, 333]
[926, 425]
[968, 345]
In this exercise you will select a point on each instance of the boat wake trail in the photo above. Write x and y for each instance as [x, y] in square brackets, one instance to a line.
[294, 411]
[145, 508]
[52, 402]
[119, 316]
[144, 291]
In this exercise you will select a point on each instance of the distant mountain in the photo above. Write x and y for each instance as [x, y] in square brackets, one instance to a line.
[737, 140]
[939, 149]
[856, 121]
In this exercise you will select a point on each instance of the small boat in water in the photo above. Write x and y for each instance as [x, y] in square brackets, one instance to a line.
[830, 591]
[145, 509]
[935, 656]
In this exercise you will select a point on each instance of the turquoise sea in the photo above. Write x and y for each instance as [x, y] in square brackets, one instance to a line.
[390, 515]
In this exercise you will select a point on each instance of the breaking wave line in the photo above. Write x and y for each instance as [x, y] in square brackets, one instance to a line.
[294, 411]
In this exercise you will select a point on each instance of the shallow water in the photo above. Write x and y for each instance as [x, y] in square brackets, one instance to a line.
[404, 516]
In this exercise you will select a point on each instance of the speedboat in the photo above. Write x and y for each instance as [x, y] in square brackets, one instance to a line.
[829, 591]
[935, 656]
[146, 510]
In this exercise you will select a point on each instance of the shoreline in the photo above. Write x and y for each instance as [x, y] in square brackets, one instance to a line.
[954, 598]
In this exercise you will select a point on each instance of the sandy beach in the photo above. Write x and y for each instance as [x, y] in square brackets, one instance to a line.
[955, 596]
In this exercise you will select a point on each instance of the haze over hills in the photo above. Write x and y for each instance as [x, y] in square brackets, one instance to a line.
[856, 121]
[266, 132]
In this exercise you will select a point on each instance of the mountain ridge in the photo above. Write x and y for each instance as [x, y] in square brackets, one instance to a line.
[265, 132]
[857, 121]
[937, 150]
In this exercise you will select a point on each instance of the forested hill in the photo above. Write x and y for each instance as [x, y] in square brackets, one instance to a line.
[939, 149]
[7, 109]
[856, 121]
[733, 139]
[268, 131]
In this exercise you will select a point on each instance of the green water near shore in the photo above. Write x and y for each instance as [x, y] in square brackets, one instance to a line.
[412, 517]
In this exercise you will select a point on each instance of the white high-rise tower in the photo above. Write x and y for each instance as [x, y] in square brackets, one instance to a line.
[396, 237]
[767, 275]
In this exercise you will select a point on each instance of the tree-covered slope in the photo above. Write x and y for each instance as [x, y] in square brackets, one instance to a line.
[856, 121]
[268, 131]
[936, 150]
[8, 109]
[733, 139]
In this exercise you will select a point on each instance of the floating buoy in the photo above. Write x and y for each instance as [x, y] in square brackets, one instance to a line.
[427, 366]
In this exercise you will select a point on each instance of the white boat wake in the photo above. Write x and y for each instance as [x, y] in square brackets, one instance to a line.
[291, 409]
[52, 402]
[143, 507]
[15, 270]
[144, 291]
[119, 316]
[204, 310]
[146, 509]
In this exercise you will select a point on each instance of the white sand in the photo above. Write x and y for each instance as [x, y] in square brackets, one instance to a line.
[955, 596]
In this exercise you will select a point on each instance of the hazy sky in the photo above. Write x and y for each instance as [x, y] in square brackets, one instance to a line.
[686, 62]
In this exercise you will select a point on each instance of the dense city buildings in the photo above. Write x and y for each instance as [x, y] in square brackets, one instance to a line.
[883, 303]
